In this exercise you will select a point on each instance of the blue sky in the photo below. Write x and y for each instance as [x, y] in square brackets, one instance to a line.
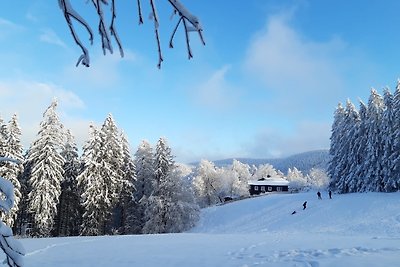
[265, 85]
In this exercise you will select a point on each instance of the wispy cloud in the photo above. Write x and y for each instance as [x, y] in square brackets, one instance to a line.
[216, 92]
[49, 36]
[8, 27]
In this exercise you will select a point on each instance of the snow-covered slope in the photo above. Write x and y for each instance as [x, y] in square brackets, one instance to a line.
[348, 230]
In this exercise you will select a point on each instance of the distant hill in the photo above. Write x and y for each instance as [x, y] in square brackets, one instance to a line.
[303, 161]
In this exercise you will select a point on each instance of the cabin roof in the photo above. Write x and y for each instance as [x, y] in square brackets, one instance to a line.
[270, 181]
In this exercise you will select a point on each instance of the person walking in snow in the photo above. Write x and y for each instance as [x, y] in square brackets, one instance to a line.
[330, 194]
[304, 205]
[319, 195]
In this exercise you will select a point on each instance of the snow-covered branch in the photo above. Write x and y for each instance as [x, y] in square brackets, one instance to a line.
[11, 247]
[189, 21]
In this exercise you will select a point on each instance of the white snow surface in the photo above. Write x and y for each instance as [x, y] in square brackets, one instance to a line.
[348, 230]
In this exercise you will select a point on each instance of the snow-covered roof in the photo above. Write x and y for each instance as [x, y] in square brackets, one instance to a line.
[270, 181]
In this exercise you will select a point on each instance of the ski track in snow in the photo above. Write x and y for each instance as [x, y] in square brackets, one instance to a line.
[298, 257]
[45, 249]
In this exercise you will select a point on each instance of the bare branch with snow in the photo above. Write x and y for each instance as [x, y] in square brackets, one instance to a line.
[190, 23]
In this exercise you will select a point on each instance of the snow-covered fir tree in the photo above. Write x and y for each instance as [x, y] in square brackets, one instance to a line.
[334, 167]
[46, 172]
[373, 162]
[69, 214]
[102, 178]
[388, 137]
[12, 148]
[171, 206]
[395, 157]
[360, 147]
[126, 196]
[144, 186]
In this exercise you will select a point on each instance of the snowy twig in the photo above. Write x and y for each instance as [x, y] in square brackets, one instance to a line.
[69, 12]
[105, 39]
[113, 30]
[156, 25]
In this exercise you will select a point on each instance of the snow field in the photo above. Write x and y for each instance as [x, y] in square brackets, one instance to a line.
[348, 230]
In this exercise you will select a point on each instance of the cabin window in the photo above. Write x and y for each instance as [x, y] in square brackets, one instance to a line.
[262, 188]
[278, 188]
[269, 188]
[255, 188]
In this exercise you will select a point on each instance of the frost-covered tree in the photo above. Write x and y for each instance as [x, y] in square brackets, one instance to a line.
[395, 156]
[12, 148]
[163, 160]
[297, 179]
[360, 147]
[374, 146]
[12, 248]
[126, 197]
[172, 207]
[240, 175]
[46, 172]
[189, 22]
[334, 167]
[102, 178]
[388, 138]
[265, 171]
[207, 184]
[69, 209]
[144, 185]
[318, 179]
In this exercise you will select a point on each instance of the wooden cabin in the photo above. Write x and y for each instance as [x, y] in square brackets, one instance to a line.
[270, 184]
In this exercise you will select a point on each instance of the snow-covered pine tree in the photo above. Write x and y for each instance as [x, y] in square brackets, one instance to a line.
[13, 149]
[171, 207]
[373, 163]
[46, 172]
[347, 182]
[144, 185]
[336, 154]
[395, 157]
[126, 197]
[102, 178]
[94, 200]
[388, 136]
[207, 184]
[69, 214]
[360, 148]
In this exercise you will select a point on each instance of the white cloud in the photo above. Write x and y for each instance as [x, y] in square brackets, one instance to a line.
[49, 36]
[29, 99]
[298, 71]
[216, 92]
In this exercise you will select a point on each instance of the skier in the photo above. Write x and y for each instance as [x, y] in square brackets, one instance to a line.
[319, 195]
[330, 194]
[304, 205]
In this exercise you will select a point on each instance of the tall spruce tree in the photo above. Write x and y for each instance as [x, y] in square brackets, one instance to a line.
[144, 184]
[46, 172]
[69, 215]
[388, 137]
[395, 157]
[335, 167]
[102, 178]
[360, 148]
[373, 164]
[126, 196]
[171, 207]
